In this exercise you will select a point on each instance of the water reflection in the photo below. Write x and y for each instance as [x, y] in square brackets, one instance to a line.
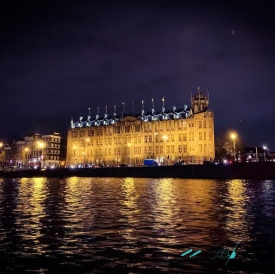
[102, 224]
[236, 203]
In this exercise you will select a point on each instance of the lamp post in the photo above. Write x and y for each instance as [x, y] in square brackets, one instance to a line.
[265, 148]
[256, 154]
[41, 146]
[233, 136]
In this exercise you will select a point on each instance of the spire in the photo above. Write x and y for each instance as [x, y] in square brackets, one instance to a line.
[114, 114]
[97, 115]
[199, 92]
[89, 111]
[142, 107]
[133, 103]
[153, 110]
[105, 114]
[208, 95]
[163, 108]
[123, 108]
[72, 122]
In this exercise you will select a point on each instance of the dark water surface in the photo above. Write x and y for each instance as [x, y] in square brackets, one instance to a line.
[111, 225]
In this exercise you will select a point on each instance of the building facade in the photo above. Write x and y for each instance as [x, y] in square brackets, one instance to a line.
[185, 134]
[35, 150]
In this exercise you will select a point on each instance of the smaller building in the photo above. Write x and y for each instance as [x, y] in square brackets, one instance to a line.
[35, 150]
[54, 154]
[254, 154]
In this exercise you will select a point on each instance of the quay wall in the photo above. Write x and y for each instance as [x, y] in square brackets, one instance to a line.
[260, 170]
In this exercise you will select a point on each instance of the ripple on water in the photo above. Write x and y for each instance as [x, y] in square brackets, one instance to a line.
[102, 225]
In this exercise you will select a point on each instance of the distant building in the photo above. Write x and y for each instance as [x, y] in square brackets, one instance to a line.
[54, 151]
[36, 150]
[254, 154]
[179, 134]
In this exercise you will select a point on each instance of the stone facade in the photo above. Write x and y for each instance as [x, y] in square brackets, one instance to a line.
[185, 134]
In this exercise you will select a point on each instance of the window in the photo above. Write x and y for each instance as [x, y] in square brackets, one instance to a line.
[200, 124]
[200, 136]
[179, 138]
[184, 148]
[204, 124]
[127, 129]
[184, 125]
[180, 148]
[184, 137]
[172, 149]
[137, 128]
[204, 135]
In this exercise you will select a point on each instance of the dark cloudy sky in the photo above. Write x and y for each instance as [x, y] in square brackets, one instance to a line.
[58, 58]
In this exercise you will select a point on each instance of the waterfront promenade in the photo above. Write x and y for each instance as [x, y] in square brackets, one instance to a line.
[260, 170]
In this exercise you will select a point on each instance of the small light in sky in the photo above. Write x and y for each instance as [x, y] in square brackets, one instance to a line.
[233, 32]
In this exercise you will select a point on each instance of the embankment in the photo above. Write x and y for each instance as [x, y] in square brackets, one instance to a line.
[261, 170]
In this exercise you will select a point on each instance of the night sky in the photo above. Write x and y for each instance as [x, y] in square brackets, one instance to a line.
[58, 58]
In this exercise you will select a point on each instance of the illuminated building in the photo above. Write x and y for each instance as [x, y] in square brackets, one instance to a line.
[47, 150]
[180, 134]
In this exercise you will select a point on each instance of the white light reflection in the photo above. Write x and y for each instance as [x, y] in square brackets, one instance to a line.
[130, 214]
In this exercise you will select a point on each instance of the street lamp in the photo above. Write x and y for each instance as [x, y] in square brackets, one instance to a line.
[41, 146]
[265, 148]
[233, 136]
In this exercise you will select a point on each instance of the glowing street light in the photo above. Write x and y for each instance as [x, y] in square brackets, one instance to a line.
[233, 136]
[265, 149]
[40, 146]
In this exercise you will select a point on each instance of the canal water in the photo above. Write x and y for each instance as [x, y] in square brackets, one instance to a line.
[129, 225]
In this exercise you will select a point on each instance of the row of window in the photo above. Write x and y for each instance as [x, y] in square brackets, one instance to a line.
[138, 150]
[148, 127]
[57, 140]
[148, 139]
